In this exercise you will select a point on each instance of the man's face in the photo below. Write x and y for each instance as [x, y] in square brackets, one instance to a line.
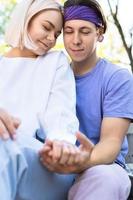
[80, 39]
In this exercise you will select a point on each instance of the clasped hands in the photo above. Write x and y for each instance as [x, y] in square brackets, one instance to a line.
[57, 156]
[63, 157]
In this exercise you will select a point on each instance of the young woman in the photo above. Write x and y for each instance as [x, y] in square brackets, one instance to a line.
[37, 91]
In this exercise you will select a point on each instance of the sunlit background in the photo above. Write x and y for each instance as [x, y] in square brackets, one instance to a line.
[112, 47]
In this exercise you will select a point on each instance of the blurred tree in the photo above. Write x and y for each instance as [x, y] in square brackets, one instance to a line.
[5, 11]
[127, 41]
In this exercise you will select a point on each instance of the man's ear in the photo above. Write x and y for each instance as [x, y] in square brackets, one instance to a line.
[100, 38]
[100, 34]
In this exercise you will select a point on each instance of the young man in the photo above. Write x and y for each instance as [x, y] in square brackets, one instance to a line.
[104, 109]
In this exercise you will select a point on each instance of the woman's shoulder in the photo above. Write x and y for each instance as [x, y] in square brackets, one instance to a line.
[55, 57]
[55, 53]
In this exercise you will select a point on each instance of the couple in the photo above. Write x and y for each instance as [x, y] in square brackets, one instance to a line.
[37, 100]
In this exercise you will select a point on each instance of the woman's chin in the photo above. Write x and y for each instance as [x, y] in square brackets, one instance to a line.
[40, 52]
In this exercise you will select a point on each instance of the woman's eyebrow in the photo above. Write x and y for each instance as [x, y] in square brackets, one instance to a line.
[50, 23]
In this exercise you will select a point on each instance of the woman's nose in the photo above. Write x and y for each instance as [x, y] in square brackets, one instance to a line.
[51, 37]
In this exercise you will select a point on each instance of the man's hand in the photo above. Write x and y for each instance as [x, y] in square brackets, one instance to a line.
[60, 152]
[62, 157]
[8, 125]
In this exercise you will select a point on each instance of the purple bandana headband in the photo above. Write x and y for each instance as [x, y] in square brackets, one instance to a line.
[80, 12]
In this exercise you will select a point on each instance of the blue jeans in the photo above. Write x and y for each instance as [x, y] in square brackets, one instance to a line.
[22, 177]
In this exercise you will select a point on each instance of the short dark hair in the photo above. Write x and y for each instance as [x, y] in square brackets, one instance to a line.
[92, 4]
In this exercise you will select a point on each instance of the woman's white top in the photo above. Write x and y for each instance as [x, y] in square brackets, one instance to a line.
[40, 91]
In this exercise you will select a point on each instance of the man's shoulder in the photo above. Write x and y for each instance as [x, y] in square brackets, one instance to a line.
[110, 70]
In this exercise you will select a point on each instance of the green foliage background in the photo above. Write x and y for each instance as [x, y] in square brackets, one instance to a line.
[6, 6]
[5, 10]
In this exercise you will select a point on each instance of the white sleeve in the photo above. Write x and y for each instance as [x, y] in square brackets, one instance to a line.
[59, 120]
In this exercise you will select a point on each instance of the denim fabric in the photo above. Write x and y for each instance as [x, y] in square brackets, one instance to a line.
[12, 168]
[22, 177]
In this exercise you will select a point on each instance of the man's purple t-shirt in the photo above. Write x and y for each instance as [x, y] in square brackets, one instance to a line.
[106, 91]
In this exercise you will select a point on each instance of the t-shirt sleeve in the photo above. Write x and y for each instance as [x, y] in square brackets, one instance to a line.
[118, 95]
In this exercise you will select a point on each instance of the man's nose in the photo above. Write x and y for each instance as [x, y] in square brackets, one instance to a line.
[76, 38]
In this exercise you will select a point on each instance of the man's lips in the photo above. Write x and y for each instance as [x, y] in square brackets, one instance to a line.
[76, 50]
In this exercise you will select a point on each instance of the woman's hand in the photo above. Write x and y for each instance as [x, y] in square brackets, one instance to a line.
[62, 157]
[8, 125]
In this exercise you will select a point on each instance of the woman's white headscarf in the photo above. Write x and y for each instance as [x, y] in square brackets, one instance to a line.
[16, 34]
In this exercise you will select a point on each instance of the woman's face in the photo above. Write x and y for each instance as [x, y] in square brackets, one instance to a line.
[44, 28]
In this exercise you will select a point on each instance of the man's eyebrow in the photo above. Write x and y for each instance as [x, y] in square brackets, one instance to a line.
[68, 27]
[82, 27]
[85, 27]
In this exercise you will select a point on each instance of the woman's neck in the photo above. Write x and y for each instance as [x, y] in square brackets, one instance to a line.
[17, 52]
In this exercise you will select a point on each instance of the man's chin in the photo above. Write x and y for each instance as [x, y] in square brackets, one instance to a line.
[76, 59]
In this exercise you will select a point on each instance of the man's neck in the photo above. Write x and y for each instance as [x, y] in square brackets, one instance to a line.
[83, 67]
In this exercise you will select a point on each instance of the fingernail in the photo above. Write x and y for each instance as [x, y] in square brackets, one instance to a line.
[14, 136]
[5, 136]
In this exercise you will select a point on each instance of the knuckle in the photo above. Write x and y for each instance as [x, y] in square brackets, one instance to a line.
[74, 153]
[57, 157]
[57, 143]
[66, 152]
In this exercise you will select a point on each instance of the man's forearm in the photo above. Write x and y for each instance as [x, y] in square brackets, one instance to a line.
[105, 152]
